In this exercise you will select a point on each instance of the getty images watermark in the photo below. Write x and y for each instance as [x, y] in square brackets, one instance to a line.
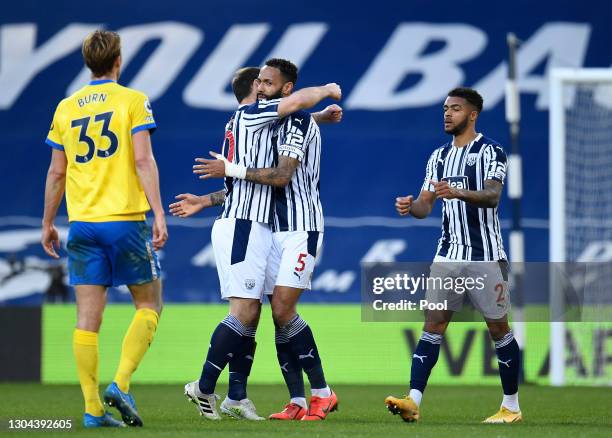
[411, 285]
[404, 291]
[538, 291]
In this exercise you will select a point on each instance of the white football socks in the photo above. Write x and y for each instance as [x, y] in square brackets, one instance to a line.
[300, 401]
[416, 395]
[511, 402]
[323, 392]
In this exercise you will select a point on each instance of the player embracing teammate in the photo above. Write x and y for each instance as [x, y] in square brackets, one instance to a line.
[267, 239]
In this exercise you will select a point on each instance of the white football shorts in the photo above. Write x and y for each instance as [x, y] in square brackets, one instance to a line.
[241, 249]
[485, 283]
[292, 259]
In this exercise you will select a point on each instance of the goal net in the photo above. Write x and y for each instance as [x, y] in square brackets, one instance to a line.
[580, 190]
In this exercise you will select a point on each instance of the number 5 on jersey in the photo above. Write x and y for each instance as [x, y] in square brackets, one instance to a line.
[83, 124]
[301, 264]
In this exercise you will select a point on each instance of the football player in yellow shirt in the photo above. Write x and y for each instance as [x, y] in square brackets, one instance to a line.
[102, 159]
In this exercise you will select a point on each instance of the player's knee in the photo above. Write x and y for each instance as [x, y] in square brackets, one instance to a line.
[147, 296]
[158, 306]
[247, 311]
[153, 305]
[282, 314]
[89, 321]
[249, 317]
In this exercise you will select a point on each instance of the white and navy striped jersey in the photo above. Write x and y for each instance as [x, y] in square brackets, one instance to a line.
[248, 141]
[297, 207]
[468, 232]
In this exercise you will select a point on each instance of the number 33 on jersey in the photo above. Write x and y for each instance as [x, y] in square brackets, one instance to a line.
[94, 128]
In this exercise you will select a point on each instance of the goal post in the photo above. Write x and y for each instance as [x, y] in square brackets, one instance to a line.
[580, 154]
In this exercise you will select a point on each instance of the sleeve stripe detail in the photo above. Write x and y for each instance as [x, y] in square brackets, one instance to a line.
[291, 155]
[143, 127]
[258, 122]
[290, 148]
[266, 103]
[54, 145]
[267, 114]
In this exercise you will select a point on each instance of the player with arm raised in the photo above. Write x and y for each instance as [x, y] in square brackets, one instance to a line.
[467, 174]
[242, 240]
[102, 159]
[189, 204]
[297, 238]
[237, 403]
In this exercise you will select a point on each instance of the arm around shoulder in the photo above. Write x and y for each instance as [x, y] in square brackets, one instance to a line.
[307, 98]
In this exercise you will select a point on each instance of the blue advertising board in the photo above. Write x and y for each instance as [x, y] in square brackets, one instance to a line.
[395, 63]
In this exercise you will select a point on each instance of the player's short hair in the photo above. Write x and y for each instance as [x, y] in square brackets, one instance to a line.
[287, 68]
[472, 96]
[100, 51]
[242, 82]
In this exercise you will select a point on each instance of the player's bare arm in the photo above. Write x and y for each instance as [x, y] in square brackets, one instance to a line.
[189, 204]
[331, 114]
[420, 209]
[485, 198]
[279, 176]
[217, 198]
[307, 98]
[54, 192]
[149, 178]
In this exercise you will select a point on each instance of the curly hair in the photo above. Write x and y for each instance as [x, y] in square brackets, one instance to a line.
[470, 95]
[287, 68]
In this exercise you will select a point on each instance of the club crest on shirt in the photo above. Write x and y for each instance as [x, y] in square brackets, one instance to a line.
[249, 284]
[471, 159]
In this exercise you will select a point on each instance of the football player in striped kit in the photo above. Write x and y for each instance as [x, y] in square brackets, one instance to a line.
[297, 238]
[242, 240]
[467, 174]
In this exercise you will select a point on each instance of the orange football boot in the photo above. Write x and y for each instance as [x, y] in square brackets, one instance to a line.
[320, 407]
[292, 411]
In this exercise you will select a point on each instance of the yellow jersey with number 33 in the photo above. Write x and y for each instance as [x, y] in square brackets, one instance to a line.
[94, 128]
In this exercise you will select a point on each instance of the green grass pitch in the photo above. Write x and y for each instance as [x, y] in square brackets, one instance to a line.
[447, 411]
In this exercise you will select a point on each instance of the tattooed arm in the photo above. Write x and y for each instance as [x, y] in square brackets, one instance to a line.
[485, 198]
[279, 176]
[217, 198]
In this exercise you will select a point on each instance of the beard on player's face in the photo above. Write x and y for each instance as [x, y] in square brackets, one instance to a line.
[457, 128]
[271, 95]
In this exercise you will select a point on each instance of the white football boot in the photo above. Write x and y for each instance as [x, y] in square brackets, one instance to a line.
[206, 403]
[241, 410]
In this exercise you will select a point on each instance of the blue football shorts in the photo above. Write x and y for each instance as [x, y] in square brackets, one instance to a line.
[111, 253]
